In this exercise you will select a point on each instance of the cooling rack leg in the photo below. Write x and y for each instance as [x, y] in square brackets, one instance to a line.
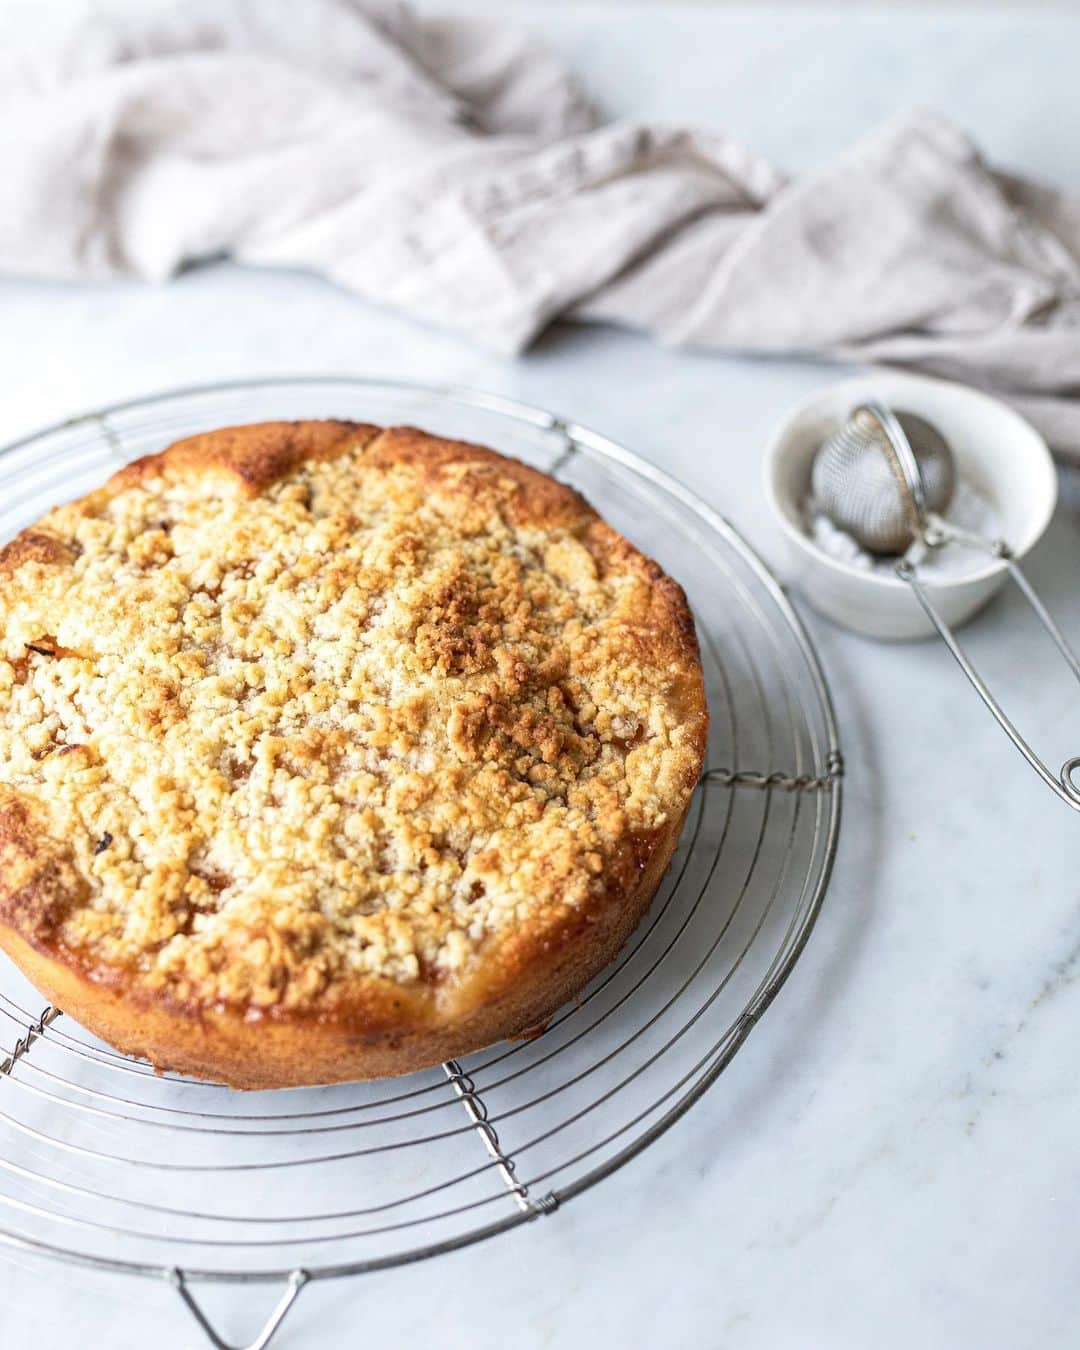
[297, 1280]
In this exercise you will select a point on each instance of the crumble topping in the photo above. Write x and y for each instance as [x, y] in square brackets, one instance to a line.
[357, 721]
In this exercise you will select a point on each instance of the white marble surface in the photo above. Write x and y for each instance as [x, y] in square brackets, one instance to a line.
[891, 1161]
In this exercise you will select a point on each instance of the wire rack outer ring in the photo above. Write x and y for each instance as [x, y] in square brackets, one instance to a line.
[824, 780]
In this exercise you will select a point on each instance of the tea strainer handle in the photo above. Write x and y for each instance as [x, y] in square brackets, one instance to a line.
[903, 463]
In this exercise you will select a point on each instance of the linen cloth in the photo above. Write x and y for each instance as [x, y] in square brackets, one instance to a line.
[449, 167]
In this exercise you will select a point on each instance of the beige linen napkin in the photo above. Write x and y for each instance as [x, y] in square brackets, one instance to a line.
[450, 168]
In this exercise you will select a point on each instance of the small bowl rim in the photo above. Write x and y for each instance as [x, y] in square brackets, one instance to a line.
[992, 570]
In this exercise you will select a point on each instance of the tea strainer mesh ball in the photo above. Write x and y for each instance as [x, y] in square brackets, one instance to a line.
[858, 483]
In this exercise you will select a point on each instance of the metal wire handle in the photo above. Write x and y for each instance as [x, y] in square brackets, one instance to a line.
[935, 533]
[270, 1327]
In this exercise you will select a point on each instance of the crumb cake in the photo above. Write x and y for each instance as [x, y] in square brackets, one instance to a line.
[330, 751]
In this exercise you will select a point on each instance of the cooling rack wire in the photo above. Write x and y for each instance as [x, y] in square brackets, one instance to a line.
[109, 1166]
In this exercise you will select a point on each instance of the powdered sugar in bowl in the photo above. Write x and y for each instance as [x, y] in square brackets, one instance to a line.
[1006, 487]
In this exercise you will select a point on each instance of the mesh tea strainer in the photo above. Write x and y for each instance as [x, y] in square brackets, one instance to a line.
[884, 478]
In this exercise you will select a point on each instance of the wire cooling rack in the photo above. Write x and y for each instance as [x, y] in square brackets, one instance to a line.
[106, 1164]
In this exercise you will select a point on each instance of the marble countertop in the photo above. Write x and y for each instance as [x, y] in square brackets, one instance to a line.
[891, 1160]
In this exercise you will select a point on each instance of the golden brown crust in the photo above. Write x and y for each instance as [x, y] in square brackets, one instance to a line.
[254, 461]
[31, 547]
[383, 1036]
[329, 752]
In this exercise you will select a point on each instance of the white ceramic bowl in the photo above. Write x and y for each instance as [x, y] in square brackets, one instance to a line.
[999, 453]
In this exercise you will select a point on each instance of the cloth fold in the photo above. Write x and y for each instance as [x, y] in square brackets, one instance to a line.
[451, 168]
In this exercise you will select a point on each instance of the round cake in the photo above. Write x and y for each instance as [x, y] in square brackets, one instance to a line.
[330, 752]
